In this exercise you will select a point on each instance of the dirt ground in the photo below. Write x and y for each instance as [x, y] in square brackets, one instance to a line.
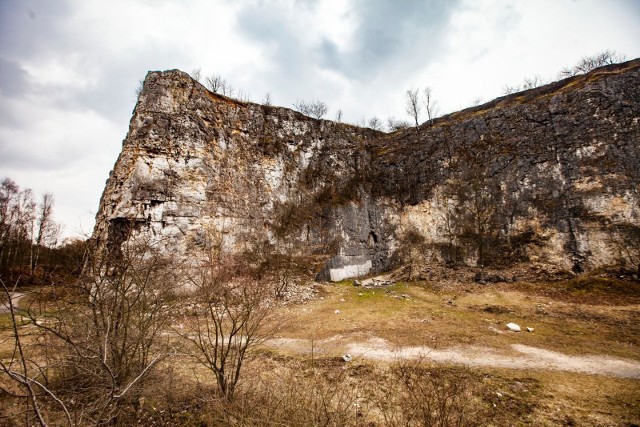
[583, 350]
[579, 366]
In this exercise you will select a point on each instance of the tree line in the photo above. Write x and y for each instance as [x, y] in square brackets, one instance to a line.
[30, 248]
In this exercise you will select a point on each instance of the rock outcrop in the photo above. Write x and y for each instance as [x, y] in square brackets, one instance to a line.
[550, 175]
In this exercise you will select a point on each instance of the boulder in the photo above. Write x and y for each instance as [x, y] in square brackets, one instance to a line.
[513, 327]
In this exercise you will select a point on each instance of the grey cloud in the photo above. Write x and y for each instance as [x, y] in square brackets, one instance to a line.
[410, 31]
[30, 27]
[13, 78]
[292, 62]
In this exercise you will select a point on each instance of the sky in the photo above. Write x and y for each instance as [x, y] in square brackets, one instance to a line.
[69, 69]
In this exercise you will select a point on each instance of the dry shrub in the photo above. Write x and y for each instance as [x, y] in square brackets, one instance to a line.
[294, 397]
[419, 394]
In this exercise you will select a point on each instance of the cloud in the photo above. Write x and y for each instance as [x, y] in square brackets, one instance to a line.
[13, 78]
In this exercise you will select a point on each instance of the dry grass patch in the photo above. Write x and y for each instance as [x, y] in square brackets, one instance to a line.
[412, 314]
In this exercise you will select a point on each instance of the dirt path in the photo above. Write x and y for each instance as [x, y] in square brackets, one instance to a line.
[15, 297]
[520, 356]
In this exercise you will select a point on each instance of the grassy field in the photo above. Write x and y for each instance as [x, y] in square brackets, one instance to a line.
[425, 314]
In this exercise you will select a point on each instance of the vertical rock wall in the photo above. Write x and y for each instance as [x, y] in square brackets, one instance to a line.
[547, 175]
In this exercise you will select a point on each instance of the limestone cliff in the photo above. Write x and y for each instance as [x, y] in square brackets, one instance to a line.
[548, 175]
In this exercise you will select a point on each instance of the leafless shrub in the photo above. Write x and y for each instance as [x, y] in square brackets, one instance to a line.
[417, 394]
[508, 90]
[243, 96]
[297, 397]
[316, 109]
[100, 344]
[196, 74]
[588, 63]
[528, 83]
[394, 124]
[477, 101]
[19, 367]
[233, 306]
[375, 123]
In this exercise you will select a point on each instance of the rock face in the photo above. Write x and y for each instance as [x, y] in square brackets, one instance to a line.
[549, 175]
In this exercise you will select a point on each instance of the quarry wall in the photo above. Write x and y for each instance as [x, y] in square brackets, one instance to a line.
[550, 175]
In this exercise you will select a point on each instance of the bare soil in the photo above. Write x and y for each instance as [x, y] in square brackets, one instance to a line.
[527, 357]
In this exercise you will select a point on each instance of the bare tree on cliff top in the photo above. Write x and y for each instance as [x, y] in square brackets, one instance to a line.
[196, 74]
[213, 82]
[413, 105]
[375, 123]
[430, 104]
[315, 109]
[588, 63]
[394, 124]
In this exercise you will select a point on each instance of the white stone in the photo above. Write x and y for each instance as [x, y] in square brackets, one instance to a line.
[513, 327]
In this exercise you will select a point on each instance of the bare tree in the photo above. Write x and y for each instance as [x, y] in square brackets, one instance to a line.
[533, 82]
[413, 105]
[528, 83]
[17, 366]
[243, 96]
[233, 306]
[315, 109]
[267, 100]
[196, 74]
[375, 123]
[213, 82]
[508, 90]
[17, 220]
[588, 63]
[447, 204]
[105, 338]
[477, 101]
[339, 115]
[226, 88]
[46, 232]
[430, 104]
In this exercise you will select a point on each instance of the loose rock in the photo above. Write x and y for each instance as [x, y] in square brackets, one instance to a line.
[513, 327]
